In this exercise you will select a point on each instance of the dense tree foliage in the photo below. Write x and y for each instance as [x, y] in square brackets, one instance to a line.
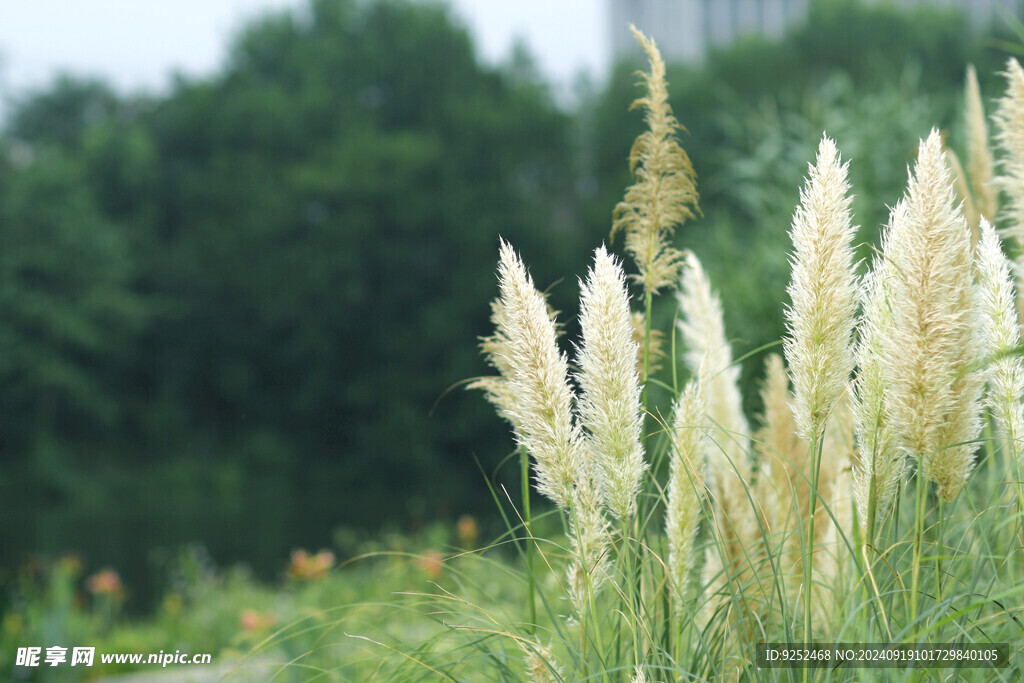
[266, 280]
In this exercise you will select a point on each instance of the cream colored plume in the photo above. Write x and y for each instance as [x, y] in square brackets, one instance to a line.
[497, 390]
[1000, 336]
[1009, 120]
[878, 469]
[739, 546]
[688, 463]
[610, 402]
[703, 330]
[823, 291]
[538, 381]
[665, 192]
[980, 165]
[541, 664]
[929, 358]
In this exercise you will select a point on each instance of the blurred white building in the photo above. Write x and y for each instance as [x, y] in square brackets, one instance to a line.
[685, 29]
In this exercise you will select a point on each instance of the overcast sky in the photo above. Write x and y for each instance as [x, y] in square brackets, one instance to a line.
[136, 44]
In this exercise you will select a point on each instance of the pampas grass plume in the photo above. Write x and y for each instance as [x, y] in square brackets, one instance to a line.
[878, 469]
[1009, 120]
[708, 354]
[823, 291]
[685, 487]
[928, 357]
[610, 403]
[538, 381]
[703, 330]
[665, 192]
[1000, 335]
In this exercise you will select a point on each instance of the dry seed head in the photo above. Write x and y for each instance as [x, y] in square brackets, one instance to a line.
[538, 380]
[1000, 335]
[610, 401]
[878, 468]
[979, 155]
[497, 390]
[708, 352]
[929, 358]
[541, 663]
[685, 487]
[703, 330]
[823, 292]
[665, 192]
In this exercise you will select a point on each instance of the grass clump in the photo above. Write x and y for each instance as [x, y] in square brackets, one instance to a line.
[859, 510]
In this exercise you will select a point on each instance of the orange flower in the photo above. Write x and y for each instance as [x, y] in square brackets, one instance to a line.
[252, 620]
[467, 531]
[105, 582]
[306, 566]
[431, 563]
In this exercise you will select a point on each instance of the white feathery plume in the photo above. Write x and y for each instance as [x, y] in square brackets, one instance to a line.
[823, 291]
[545, 427]
[708, 352]
[1009, 120]
[685, 487]
[539, 382]
[929, 358]
[703, 332]
[610, 407]
[541, 664]
[1000, 336]
[497, 389]
[878, 469]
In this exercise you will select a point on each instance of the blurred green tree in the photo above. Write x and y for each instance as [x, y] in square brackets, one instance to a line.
[314, 229]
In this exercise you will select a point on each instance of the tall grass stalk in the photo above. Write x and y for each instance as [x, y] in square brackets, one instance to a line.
[524, 460]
